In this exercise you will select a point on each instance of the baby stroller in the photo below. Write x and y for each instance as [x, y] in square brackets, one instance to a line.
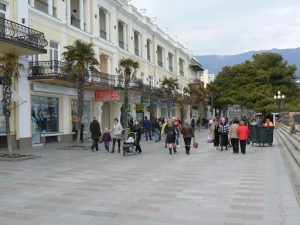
[129, 145]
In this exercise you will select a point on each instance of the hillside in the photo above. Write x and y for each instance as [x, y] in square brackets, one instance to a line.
[215, 63]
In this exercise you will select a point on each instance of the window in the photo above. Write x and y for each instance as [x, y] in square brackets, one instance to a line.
[143, 77]
[160, 60]
[54, 56]
[3, 11]
[170, 56]
[149, 50]
[87, 116]
[181, 67]
[137, 43]
[151, 81]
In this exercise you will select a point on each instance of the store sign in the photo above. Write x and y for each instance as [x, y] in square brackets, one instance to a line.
[110, 95]
[155, 102]
[166, 103]
[145, 101]
[139, 108]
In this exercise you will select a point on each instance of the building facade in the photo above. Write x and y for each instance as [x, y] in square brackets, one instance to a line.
[118, 30]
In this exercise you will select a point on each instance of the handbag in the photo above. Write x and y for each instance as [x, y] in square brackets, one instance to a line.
[209, 139]
[195, 144]
[101, 139]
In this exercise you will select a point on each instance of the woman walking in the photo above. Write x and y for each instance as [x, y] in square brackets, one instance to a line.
[116, 134]
[171, 132]
[137, 129]
[223, 131]
[187, 133]
[214, 133]
[243, 133]
[234, 138]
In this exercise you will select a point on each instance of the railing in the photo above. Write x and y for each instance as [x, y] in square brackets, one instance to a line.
[57, 70]
[171, 68]
[121, 44]
[75, 22]
[103, 34]
[137, 51]
[16, 32]
[160, 63]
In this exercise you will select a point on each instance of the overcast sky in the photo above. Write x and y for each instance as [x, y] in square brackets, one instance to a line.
[228, 26]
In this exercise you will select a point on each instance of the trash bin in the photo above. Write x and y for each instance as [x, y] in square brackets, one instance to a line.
[261, 134]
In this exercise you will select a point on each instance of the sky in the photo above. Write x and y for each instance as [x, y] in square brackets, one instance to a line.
[227, 27]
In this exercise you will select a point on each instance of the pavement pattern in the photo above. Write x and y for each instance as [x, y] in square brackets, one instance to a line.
[72, 187]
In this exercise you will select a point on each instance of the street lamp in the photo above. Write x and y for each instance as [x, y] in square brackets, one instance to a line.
[280, 99]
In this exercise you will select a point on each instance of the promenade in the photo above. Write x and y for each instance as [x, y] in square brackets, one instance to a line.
[71, 187]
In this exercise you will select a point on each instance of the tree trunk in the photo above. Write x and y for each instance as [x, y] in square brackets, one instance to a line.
[7, 83]
[80, 106]
[126, 99]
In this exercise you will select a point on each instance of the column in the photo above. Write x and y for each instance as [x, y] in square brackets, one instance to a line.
[107, 23]
[81, 16]
[68, 14]
[108, 58]
[50, 7]
[98, 112]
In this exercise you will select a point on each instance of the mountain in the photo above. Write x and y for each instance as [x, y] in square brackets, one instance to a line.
[215, 63]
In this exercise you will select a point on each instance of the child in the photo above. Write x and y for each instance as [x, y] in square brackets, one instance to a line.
[106, 139]
[130, 140]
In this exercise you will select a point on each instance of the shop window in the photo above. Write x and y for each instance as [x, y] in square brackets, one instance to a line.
[44, 114]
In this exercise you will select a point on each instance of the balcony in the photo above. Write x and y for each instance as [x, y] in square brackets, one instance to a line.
[146, 89]
[103, 34]
[20, 39]
[137, 51]
[160, 63]
[121, 44]
[54, 72]
[75, 22]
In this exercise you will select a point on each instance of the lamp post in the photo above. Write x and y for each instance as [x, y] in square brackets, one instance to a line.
[280, 99]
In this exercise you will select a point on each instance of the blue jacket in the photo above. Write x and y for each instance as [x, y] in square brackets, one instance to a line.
[147, 124]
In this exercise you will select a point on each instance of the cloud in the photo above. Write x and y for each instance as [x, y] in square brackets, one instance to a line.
[229, 26]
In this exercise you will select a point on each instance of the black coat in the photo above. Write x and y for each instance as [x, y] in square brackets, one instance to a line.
[95, 129]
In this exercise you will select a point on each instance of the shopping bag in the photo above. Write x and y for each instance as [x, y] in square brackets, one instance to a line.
[195, 144]
[209, 139]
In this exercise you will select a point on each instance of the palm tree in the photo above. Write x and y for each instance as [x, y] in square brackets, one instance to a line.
[169, 86]
[10, 67]
[80, 58]
[129, 67]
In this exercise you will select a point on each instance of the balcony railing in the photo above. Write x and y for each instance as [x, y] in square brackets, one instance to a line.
[75, 22]
[22, 35]
[121, 44]
[43, 70]
[160, 63]
[103, 34]
[137, 51]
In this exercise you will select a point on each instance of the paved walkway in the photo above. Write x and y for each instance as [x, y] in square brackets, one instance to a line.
[68, 187]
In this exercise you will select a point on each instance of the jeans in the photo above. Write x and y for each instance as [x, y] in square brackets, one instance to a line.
[95, 144]
[235, 145]
[119, 145]
[187, 142]
[156, 134]
[106, 145]
[243, 146]
[177, 138]
[148, 134]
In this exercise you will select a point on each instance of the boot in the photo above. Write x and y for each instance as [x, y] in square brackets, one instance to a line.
[170, 149]
[174, 149]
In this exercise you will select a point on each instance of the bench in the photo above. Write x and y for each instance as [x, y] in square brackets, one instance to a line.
[51, 137]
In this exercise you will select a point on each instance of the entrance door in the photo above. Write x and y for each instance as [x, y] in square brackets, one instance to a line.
[54, 56]
[105, 120]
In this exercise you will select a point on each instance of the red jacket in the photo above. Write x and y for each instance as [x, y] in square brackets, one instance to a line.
[243, 132]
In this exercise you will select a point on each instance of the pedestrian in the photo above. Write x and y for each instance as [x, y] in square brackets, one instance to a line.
[74, 127]
[137, 129]
[223, 132]
[160, 123]
[147, 128]
[171, 131]
[193, 123]
[165, 122]
[130, 124]
[95, 133]
[268, 123]
[81, 132]
[188, 134]
[106, 139]
[155, 129]
[293, 127]
[116, 134]
[213, 132]
[178, 125]
[234, 138]
[243, 133]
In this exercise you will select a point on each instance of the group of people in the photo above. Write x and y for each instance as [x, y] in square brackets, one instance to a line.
[222, 135]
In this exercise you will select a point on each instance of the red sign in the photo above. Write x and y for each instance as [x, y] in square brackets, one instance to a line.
[107, 96]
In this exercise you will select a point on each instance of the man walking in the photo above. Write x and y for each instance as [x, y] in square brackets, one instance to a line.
[95, 133]
[155, 128]
[147, 127]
